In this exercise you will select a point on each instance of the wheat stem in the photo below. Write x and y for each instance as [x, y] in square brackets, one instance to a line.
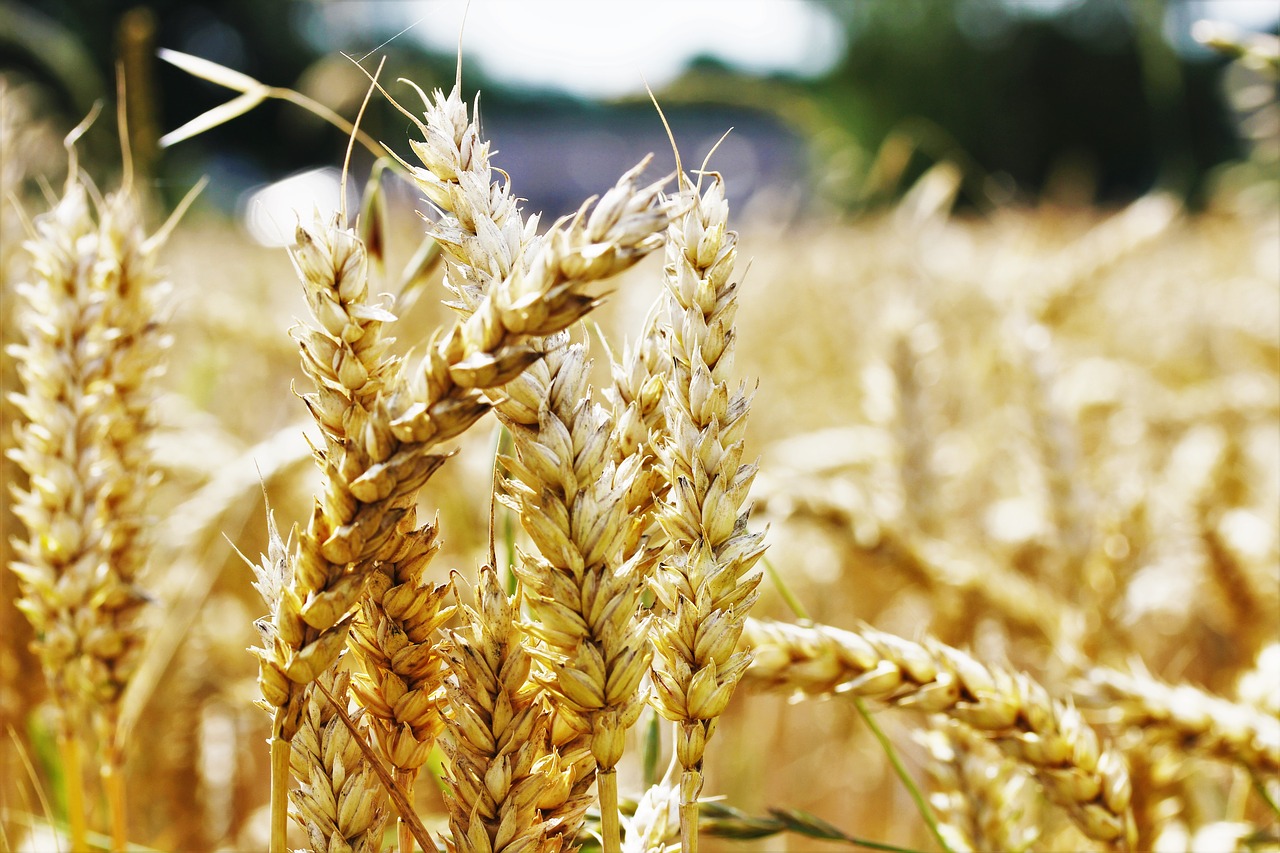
[279, 785]
[898, 768]
[70, 751]
[114, 789]
[610, 827]
[690, 781]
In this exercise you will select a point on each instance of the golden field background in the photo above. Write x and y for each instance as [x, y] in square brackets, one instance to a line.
[1049, 435]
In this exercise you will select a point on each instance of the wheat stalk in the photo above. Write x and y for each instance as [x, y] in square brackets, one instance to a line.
[1077, 771]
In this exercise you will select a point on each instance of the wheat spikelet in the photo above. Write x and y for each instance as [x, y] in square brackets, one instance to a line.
[705, 586]
[639, 420]
[1198, 721]
[498, 735]
[481, 232]
[339, 802]
[1075, 769]
[92, 349]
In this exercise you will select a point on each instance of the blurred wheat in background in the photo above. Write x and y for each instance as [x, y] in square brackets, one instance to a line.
[945, 523]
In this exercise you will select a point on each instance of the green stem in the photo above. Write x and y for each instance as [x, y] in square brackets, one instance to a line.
[787, 595]
[1259, 785]
[652, 743]
[912, 788]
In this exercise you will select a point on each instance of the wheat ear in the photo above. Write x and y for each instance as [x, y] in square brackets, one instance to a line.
[1077, 771]
[706, 585]
[636, 395]
[339, 801]
[1188, 716]
[91, 352]
[502, 774]
[395, 637]
[576, 494]
[482, 233]
[980, 796]
[581, 591]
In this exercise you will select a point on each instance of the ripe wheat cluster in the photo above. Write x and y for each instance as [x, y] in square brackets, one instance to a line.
[528, 699]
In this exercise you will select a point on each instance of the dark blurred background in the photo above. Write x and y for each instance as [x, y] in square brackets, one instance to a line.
[1094, 101]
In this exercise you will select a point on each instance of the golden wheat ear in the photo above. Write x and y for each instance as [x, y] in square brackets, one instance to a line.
[88, 364]
[705, 584]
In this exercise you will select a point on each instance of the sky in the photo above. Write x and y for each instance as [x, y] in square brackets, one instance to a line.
[608, 49]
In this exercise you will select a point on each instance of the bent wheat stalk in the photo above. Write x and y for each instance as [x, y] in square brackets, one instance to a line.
[1197, 721]
[1077, 771]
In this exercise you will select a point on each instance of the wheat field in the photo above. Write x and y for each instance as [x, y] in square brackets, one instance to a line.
[642, 530]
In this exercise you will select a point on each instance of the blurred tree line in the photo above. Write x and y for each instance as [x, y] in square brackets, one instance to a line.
[1085, 94]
